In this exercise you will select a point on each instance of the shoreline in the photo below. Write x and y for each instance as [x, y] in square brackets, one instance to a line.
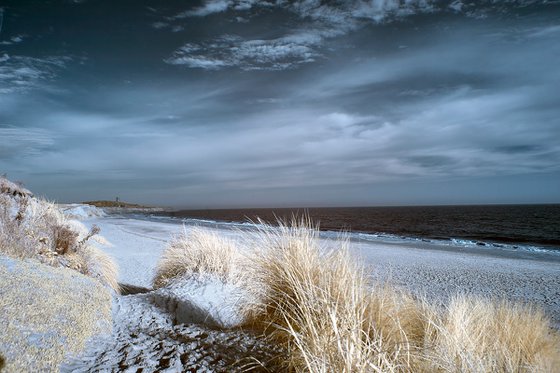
[419, 267]
[487, 248]
[484, 225]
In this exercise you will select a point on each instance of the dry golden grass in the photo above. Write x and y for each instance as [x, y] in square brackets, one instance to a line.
[198, 252]
[101, 266]
[318, 305]
[34, 228]
[480, 335]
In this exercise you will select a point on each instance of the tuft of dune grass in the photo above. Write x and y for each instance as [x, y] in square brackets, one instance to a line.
[198, 252]
[100, 266]
[481, 335]
[318, 305]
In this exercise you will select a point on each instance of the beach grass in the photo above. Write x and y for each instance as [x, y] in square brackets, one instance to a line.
[483, 335]
[198, 252]
[318, 303]
[55, 285]
[318, 306]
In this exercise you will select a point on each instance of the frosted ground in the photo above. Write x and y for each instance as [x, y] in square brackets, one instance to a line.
[176, 327]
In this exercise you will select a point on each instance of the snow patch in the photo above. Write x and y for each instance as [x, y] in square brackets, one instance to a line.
[81, 212]
[204, 300]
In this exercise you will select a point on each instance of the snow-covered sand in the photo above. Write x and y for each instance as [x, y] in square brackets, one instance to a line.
[155, 329]
[177, 328]
[440, 274]
[421, 267]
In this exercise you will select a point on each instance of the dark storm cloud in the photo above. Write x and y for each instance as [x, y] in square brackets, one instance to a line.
[519, 148]
[262, 103]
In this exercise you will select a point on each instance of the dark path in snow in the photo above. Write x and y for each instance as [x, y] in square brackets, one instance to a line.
[146, 338]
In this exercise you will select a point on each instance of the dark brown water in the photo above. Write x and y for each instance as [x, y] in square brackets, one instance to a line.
[509, 224]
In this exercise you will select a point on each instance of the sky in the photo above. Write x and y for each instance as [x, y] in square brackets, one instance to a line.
[244, 103]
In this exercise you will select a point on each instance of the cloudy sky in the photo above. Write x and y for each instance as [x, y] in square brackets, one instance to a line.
[232, 103]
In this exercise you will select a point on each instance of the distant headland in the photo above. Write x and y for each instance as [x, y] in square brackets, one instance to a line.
[116, 204]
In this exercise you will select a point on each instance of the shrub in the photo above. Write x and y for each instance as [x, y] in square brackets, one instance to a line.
[34, 228]
[65, 240]
[13, 189]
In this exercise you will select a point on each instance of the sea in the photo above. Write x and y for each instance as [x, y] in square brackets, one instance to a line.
[514, 228]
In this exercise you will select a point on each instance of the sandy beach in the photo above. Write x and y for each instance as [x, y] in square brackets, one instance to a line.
[154, 323]
[436, 271]
[197, 319]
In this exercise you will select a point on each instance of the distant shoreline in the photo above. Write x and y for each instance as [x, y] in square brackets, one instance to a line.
[421, 267]
[486, 225]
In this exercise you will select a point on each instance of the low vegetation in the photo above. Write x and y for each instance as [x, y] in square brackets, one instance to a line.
[480, 335]
[34, 228]
[48, 314]
[55, 284]
[318, 306]
[199, 252]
